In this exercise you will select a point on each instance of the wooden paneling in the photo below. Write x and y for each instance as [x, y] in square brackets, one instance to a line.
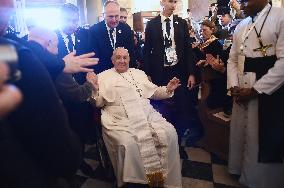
[139, 19]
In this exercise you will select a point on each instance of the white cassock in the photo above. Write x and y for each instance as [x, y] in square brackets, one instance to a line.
[139, 140]
[243, 154]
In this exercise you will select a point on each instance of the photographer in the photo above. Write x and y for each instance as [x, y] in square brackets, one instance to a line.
[40, 123]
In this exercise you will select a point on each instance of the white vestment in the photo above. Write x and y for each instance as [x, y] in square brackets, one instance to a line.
[137, 137]
[243, 154]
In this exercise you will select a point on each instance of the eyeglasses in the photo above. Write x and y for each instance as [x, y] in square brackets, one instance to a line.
[123, 17]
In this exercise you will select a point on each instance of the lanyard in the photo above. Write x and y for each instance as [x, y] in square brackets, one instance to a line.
[66, 40]
[247, 31]
[112, 37]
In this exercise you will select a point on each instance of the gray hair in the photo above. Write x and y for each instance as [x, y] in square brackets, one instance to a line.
[109, 2]
[119, 48]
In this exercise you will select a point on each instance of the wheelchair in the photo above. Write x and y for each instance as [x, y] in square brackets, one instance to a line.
[102, 150]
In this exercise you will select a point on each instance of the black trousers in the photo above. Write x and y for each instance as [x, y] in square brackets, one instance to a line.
[180, 110]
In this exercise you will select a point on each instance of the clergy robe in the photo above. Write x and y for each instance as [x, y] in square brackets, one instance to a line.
[137, 137]
[244, 137]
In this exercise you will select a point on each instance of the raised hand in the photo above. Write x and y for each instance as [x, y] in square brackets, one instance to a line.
[93, 79]
[216, 63]
[75, 64]
[173, 84]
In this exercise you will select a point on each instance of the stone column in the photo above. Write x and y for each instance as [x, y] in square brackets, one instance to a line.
[94, 10]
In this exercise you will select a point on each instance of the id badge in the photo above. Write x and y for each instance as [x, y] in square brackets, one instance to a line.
[171, 55]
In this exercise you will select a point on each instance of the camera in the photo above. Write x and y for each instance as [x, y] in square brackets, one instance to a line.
[9, 56]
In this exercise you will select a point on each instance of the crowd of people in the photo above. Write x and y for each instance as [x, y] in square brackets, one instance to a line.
[145, 85]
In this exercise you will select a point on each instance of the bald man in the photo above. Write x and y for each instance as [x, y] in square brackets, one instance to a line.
[109, 34]
[74, 96]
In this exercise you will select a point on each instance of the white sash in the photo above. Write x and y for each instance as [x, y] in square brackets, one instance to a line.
[146, 136]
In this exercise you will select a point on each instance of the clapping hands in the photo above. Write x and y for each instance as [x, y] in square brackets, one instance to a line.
[216, 63]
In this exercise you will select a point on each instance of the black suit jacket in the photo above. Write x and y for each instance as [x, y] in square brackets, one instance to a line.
[74, 94]
[81, 47]
[155, 51]
[81, 42]
[100, 44]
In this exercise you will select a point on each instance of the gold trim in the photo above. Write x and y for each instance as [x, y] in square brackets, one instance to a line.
[155, 179]
[207, 43]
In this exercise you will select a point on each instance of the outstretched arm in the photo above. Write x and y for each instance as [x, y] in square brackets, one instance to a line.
[165, 92]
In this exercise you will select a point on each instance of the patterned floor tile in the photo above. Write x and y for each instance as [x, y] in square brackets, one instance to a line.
[197, 170]
[198, 155]
[93, 163]
[195, 183]
[100, 174]
[221, 175]
[92, 183]
[216, 160]
[217, 185]
[183, 153]
[78, 181]
[92, 153]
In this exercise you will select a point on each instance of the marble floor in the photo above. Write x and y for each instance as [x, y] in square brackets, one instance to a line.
[200, 169]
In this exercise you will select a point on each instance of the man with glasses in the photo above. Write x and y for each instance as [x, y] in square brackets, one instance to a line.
[109, 34]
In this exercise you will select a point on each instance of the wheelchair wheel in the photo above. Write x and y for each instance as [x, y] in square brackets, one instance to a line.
[104, 157]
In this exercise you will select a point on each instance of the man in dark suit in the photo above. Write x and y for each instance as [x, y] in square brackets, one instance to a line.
[167, 55]
[72, 38]
[74, 93]
[109, 34]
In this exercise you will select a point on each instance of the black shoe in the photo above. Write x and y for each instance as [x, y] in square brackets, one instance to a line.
[87, 170]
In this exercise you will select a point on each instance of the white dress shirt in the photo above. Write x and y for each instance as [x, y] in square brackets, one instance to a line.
[66, 40]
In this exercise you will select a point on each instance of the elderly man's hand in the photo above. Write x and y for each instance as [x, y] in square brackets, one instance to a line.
[173, 84]
[93, 79]
[216, 63]
[75, 64]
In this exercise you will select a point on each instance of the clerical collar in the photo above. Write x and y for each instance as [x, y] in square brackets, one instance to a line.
[163, 18]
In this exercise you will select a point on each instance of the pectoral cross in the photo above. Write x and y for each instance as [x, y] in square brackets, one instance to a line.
[262, 48]
[139, 91]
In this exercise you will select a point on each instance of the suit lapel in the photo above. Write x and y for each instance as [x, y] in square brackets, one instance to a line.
[118, 35]
[62, 49]
[176, 30]
[160, 29]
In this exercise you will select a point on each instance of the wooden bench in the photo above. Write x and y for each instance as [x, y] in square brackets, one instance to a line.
[216, 130]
